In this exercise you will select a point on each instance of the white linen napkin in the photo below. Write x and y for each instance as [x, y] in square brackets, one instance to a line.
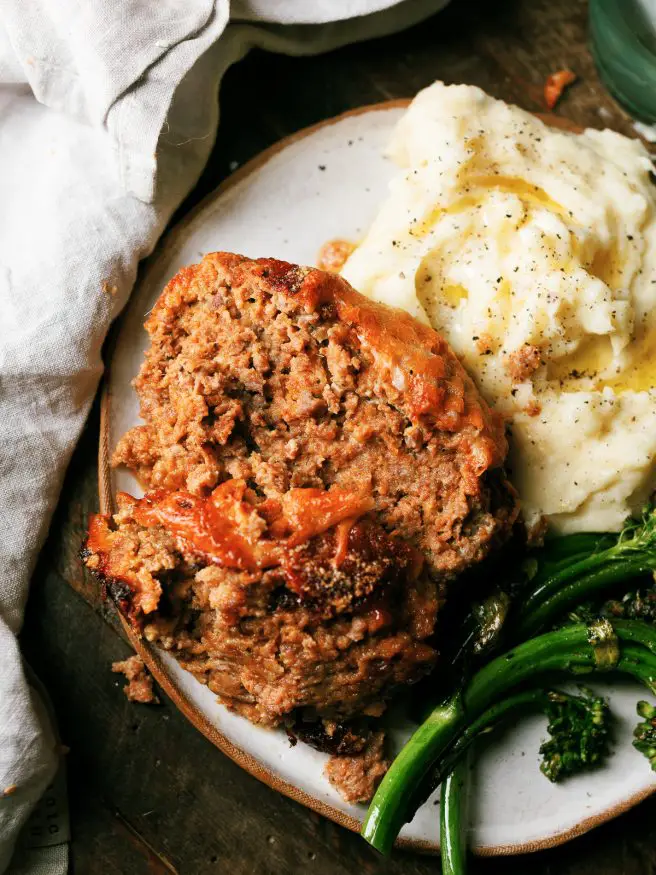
[108, 114]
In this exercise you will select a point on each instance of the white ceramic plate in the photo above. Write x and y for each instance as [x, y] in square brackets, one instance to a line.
[325, 183]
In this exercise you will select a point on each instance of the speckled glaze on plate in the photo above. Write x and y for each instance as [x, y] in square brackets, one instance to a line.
[323, 183]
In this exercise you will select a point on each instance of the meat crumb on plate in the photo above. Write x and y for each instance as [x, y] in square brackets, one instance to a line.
[139, 687]
[356, 777]
[333, 255]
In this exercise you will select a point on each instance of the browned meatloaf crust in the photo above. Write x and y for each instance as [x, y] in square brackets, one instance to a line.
[286, 377]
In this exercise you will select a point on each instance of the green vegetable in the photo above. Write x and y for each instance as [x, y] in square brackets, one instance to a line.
[557, 585]
[567, 546]
[453, 844]
[490, 616]
[428, 751]
[644, 735]
[477, 637]
[580, 737]
[637, 604]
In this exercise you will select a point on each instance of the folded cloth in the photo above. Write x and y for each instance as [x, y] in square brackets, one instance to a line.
[109, 112]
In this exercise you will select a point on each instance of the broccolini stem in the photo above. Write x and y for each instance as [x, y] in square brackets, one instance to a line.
[568, 546]
[571, 572]
[453, 832]
[633, 662]
[554, 596]
[566, 650]
[454, 775]
[636, 632]
[557, 584]
[559, 553]
[394, 800]
[509, 707]
[526, 700]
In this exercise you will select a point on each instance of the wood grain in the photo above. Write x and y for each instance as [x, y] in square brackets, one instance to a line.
[185, 805]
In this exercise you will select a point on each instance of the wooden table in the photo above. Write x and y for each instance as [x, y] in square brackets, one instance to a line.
[148, 793]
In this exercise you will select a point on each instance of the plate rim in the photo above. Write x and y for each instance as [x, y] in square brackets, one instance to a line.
[150, 654]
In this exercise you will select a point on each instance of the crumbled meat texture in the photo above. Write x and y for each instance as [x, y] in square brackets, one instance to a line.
[533, 408]
[334, 254]
[139, 687]
[286, 377]
[523, 363]
[356, 777]
[266, 650]
[485, 344]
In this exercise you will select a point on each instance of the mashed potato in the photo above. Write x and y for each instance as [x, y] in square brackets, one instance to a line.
[533, 251]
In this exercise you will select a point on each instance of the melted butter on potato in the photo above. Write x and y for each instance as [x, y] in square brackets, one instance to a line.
[510, 236]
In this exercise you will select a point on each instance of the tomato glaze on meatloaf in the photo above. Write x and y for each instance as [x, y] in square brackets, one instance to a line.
[329, 616]
[285, 377]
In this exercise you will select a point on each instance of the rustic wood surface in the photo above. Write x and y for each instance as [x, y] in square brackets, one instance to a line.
[148, 793]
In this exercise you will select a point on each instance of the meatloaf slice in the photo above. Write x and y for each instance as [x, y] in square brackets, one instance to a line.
[303, 606]
[285, 377]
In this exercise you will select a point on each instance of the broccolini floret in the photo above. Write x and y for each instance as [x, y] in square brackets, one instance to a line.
[644, 735]
[579, 727]
[639, 604]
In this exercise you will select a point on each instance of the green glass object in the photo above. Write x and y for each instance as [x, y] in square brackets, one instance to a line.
[623, 42]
